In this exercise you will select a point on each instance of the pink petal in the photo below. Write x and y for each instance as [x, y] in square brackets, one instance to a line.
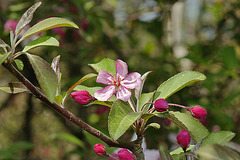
[105, 93]
[121, 68]
[132, 80]
[105, 78]
[123, 93]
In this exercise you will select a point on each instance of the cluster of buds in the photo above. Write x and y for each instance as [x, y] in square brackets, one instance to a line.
[123, 154]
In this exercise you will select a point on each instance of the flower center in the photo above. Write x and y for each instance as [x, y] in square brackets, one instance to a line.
[117, 81]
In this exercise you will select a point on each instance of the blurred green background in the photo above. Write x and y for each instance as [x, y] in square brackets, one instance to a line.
[166, 37]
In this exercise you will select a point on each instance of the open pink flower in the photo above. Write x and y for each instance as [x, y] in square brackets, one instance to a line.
[121, 83]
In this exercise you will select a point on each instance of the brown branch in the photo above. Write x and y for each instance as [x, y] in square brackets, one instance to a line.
[65, 113]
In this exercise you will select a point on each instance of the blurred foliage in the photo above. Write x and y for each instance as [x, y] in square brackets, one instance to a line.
[166, 37]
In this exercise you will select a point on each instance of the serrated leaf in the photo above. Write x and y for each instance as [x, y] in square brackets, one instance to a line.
[178, 82]
[187, 122]
[164, 153]
[105, 64]
[120, 118]
[47, 24]
[219, 137]
[26, 18]
[70, 138]
[41, 41]
[217, 152]
[45, 75]
[19, 64]
[14, 87]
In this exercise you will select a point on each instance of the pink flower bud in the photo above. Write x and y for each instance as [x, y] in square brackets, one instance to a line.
[161, 105]
[84, 25]
[124, 154]
[198, 112]
[82, 97]
[183, 139]
[10, 24]
[99, 149]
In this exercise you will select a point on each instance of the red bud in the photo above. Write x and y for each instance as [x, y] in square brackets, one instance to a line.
[124, 154]
[161, 105]
[82, 97]
[183, 139]
[198, 112]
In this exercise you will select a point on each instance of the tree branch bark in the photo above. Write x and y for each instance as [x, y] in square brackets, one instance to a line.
[65, 113]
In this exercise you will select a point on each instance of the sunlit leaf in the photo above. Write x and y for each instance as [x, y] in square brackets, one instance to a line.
[187, 122]
[217, 152]
[178, 82]
[14, 87]
[41, 41]
[121, 117]
[19, 64]
[105, 64]
[26, 18]
[47, 24]
[219, 137]
[154, 125]
[45, 75]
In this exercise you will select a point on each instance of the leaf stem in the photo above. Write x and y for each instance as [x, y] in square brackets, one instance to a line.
[178, 105]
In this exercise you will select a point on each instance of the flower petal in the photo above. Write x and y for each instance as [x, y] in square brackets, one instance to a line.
[123, 93]
[132, 80]
[105, 93]
[121, 68]
[105, 78]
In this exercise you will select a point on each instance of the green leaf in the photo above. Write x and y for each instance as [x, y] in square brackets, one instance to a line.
[20, 146]
[19, 64]
[164, 153]
[26, 18]
[180, 150]
[46, 76]
[47, 24]
[5, 154]
[228, 55]
[14, 87]
[217, 152]
[157, 114]
[121, 117]
[70, 138]
[178, 82]
[154, 125]
[219, 137]
[105, 64]
[187, 122]
[3, 57]
[91, 90]
[41, 41]
[145, 98]
[58, 99]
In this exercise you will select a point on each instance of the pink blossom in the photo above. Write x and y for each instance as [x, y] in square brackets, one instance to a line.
[124, 154]
[121, 83]
[10, 24]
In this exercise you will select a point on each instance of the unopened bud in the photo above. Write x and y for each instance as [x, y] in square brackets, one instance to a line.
[99, 149]
[124, 154]
[183, 139]
[82, 97]
[198, 112]
[161, 105]
[10, 24]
